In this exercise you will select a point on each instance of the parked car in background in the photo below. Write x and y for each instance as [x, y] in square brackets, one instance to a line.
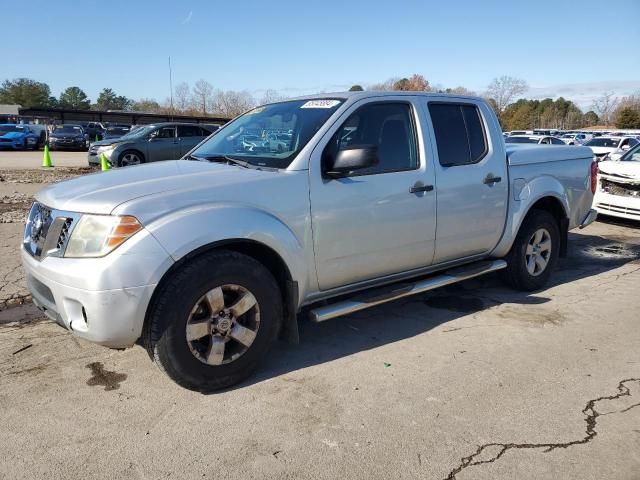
[603, 147]
[253, 143]
[208, 262]
[112, 133]
[618, 192]
[575, 138]
[18, 136]
[150, 143]
[94, 130]
[539, 139]
[279, 142]
[68, 136]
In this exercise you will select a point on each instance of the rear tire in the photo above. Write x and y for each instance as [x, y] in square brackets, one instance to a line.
[194, 316]
[534, 252]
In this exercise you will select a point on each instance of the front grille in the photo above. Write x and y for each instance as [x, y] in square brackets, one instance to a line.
[6, 140]
[47, 231]
[608, 207]
[63, 238]
[621, 189]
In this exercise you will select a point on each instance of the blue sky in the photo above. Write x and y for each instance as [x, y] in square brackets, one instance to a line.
[577, 49]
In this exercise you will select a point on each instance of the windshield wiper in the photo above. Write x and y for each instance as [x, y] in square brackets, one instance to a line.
[228, 160]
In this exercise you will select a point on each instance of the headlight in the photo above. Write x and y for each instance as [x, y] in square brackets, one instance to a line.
[105, 148]
[97, 235]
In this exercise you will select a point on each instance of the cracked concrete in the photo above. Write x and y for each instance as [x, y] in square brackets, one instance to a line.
[494, 451]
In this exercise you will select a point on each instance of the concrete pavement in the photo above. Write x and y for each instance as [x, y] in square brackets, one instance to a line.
[471, 382]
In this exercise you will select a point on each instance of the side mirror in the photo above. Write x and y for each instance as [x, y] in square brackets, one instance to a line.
[350, 159]
[624, 147]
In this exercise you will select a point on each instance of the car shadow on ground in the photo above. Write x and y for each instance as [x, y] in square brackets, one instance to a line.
[588, 255]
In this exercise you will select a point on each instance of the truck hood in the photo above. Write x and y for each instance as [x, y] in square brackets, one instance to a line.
[102, 192]
[624, 170]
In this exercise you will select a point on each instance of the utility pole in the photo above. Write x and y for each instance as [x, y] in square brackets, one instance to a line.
[170, 88]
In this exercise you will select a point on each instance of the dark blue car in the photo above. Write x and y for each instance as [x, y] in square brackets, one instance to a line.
[18, 137]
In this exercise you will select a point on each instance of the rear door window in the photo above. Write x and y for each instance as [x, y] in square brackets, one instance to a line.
[189, 131]
[459, 131]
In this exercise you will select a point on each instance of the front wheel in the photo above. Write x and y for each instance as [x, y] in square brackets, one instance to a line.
[130, 157]
[214, 321]
[534, 252]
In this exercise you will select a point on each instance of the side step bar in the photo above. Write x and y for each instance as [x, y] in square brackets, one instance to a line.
[383, 295]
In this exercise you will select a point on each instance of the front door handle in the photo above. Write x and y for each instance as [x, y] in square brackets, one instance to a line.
[490, 179]
[419, 187]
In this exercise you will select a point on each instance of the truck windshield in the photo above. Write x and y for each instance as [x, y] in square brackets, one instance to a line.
[271, 135]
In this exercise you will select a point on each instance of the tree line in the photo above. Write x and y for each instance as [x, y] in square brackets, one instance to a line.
[503, 93]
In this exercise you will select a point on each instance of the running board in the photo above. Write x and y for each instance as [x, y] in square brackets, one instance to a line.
[383, 295]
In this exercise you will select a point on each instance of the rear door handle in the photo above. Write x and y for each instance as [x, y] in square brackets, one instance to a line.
[419, 187]
[490, 179]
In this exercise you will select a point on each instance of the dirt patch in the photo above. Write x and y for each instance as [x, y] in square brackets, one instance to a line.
[14, 207]
[101, 377]
[56, 174]
[531, 315]
[614, 250]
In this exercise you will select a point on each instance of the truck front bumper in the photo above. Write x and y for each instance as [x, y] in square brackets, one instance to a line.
[103, 300]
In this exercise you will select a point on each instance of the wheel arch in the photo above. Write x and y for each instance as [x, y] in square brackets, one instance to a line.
[260, 252]
[551, 201]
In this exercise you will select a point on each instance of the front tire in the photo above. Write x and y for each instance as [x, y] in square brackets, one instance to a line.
[214, 321]
[129, 158]
[534, 252]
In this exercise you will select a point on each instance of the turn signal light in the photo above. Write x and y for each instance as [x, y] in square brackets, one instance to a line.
[126, 227]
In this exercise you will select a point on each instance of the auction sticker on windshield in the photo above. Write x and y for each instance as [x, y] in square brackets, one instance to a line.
[321, 104]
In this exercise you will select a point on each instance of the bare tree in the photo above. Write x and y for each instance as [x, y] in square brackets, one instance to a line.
[384, 86]
[182, 94]
[504, 90]
[271, 96]
[231, 103]
[202, 95]
[604, 106]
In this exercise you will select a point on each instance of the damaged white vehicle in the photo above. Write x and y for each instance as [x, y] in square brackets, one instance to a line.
[618, 192]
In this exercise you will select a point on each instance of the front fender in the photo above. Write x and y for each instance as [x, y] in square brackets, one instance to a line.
[523, 196]
[187, 230]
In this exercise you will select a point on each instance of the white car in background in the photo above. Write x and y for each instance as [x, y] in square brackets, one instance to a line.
[618, 190]
[610, 148]
[575, 138]
[539, 139]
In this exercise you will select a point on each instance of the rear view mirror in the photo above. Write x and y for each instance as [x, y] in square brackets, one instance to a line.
[350, 159]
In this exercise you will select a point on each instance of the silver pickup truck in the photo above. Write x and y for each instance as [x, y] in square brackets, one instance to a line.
[377, 195]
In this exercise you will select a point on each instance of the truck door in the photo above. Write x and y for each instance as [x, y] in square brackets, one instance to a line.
[381, 220]
[471, 171]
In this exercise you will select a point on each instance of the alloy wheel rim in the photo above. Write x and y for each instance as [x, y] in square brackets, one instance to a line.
[538, 252]
[223, 324]
[130, 159]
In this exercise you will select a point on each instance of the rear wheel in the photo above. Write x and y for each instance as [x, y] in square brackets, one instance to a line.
[534, 252]
[214, 321]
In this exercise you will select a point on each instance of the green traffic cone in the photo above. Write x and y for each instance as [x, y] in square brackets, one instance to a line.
[97, 140]
[104, 163]
[46, 158]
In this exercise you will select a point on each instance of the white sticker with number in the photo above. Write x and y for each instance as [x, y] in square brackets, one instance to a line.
[321, 104]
